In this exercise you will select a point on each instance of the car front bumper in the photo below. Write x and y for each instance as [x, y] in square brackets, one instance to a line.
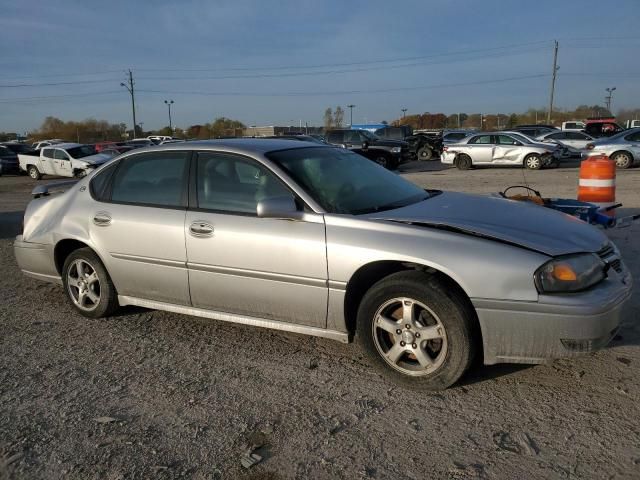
[556, 326]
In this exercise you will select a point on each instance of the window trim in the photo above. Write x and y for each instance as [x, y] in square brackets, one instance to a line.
[193, 185]
[185, 187]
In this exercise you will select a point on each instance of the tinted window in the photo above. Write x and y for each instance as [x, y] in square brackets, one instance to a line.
[82, 151]
[507, 140]
[481, 139]
[60, 154]
[100, 182]
[335, 137]
[558, 136]
[634, 137]
[229, 183]
[455, 136]
[151, 179]
[353, 136]
[576, 136]
[47, 152]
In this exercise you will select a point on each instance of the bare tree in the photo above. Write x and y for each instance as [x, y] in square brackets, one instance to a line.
[328, 118]
[338, 117]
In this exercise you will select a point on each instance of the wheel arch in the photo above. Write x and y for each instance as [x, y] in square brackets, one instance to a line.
[65, 247]
[622, 150]
[368, 275]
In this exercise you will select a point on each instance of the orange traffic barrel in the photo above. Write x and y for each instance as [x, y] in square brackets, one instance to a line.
[597, 182]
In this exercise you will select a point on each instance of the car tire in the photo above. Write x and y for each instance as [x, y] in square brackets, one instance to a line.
[533, 161]
[425, 154]
[34, 173]
[88, 285]
[382, 159]
[623, 159]
[463, 162]
[437, 312]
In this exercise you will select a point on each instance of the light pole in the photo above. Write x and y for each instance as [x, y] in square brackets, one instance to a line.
[133, 101]
[608, 97]
[404, 113]
[351, 107]
[169, 103]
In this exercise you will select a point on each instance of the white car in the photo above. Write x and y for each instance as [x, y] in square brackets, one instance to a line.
[576, 142]
[62, 160]
[499, 148]
[46, 143]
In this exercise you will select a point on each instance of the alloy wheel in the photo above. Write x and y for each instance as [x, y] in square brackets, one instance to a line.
[83, 284]
[410, 337]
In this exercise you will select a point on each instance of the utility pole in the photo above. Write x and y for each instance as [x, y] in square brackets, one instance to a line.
[607, 99]
[458, 120]
[404, 113]
[350, 114]
[553, 80]
[169, 103]
[129, 87]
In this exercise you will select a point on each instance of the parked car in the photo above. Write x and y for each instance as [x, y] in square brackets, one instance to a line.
[388, 153]
[140, 142]
[497, 148]
[602, 127]
[300, 138]
[8, 161]
[422, 146]
[64, 160]
[561, 151]
[316, 240]
[158, 139]
[623, 148]
[573, 125]
[454, 136]
[575, 141]
[534, 131]
[46, 143]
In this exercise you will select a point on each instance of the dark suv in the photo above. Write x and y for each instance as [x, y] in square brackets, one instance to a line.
[388, 153]
[8, 161]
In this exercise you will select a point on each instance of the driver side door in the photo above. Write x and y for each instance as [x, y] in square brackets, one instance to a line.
[269, 268]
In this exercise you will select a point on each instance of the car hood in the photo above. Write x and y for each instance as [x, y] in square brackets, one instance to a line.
[97, 159]
[519, 223]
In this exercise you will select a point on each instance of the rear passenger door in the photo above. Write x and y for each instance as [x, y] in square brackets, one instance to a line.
[481, 149]
[238, 263]
[137, 223]
[507, 150]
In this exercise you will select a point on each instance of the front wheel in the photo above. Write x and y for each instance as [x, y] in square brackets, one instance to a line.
[416, 331]
[34, 172]
[88, 285]
[622, 159]
[533, 161]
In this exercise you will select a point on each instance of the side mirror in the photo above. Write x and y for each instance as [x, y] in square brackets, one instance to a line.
[365, 145]
[283, 207]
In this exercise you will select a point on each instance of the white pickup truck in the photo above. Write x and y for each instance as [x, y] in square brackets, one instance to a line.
[62, 160]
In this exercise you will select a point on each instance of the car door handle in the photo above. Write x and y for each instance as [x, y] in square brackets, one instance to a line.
[201, 229]
[102, 219]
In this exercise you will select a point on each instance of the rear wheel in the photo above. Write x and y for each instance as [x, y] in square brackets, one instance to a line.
[416, 331]
[425, 153]
[88, 285]
[464, 162]
[34, 172]
[622, 159]
[533, 161]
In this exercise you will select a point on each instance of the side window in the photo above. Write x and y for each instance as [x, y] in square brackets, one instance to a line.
[335, 137]
[634, 137]
[60, 154]
[233, 184]
[157, 178]
[47, 152]
[506, 140]
[558, 136]
[481, 140]
[576, 136]
[100, 183]
[352, 136]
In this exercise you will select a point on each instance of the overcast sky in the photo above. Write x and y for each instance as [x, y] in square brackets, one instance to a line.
[282, 62]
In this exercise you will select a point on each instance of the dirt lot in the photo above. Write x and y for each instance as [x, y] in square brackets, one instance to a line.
[148, 394]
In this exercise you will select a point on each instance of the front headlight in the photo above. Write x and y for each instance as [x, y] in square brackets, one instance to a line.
[396, 149]
[571, 273]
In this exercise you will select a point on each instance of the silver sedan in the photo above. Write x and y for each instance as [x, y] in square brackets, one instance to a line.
[623, 148]
[576, 142]
[318, 240]
[499, 148]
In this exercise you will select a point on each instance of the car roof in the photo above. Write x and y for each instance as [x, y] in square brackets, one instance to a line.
[250, 145]
[65, 145]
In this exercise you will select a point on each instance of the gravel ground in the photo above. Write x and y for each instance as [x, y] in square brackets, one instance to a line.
[148, 394]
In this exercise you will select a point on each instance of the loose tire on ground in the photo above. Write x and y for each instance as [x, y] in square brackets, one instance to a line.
[463, 162]
[447, 314]
[83, 272]
[34, 172]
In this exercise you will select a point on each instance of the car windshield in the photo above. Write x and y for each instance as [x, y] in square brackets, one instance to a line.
[369, 135]
[82, 151]
[522, 138]
[344, 182]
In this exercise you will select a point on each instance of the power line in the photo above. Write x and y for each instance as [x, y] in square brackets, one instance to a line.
[51, 75]
[345, 92]
[78, 82]
[55, 97]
